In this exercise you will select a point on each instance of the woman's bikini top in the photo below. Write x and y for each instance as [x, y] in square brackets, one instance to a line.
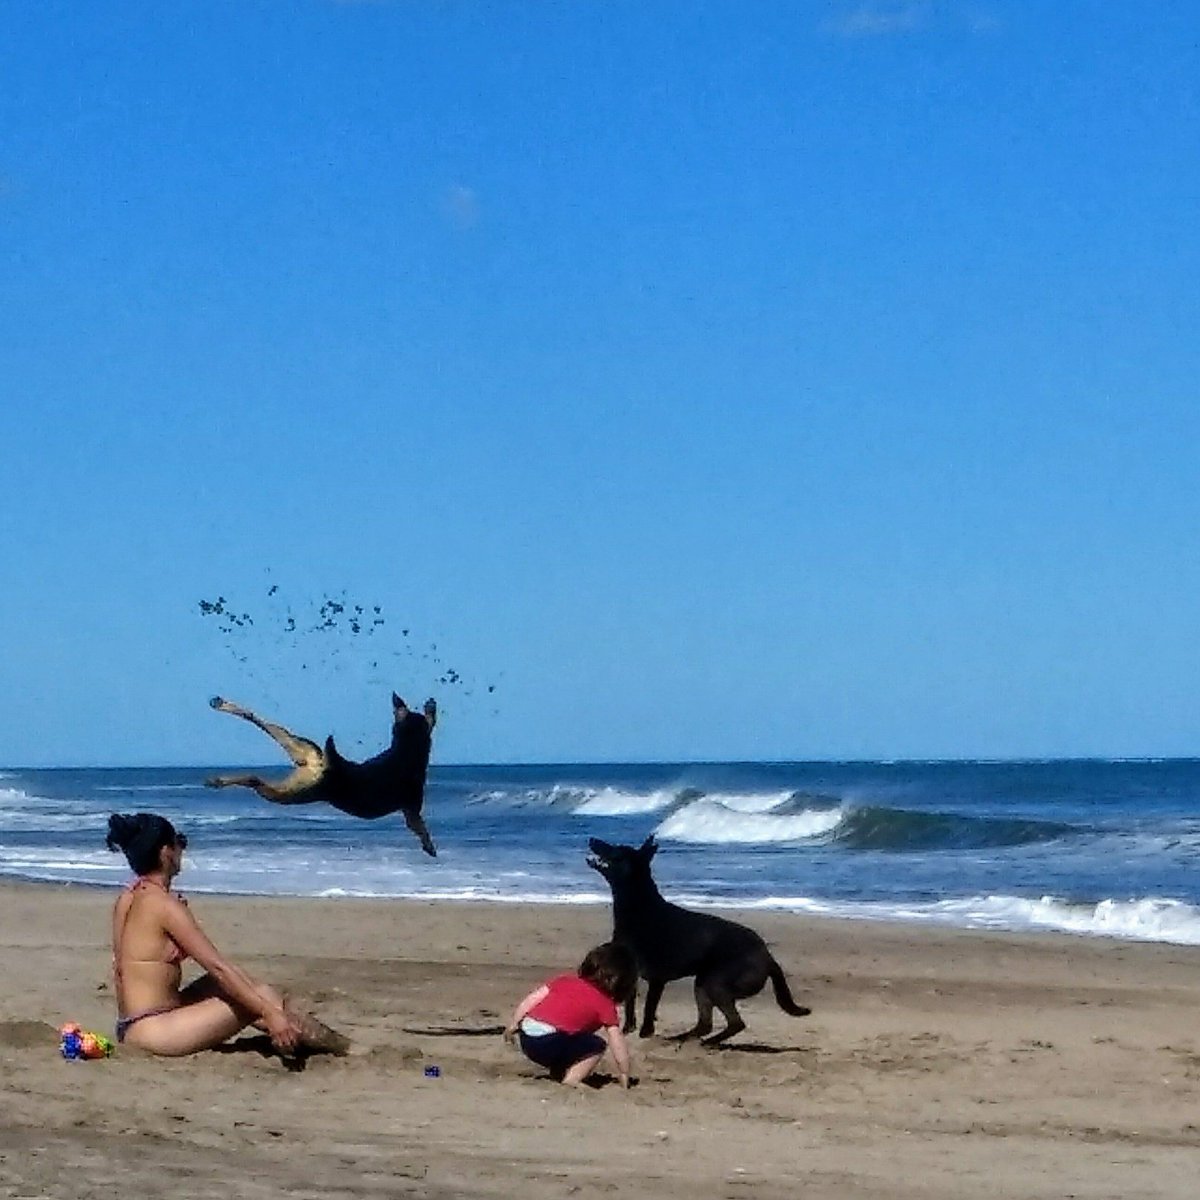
[175, 953]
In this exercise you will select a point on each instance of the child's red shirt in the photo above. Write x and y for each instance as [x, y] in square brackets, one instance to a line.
[575, 1006]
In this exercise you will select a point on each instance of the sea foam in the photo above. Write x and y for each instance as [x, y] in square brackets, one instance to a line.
[1148, 919]
[713, 822]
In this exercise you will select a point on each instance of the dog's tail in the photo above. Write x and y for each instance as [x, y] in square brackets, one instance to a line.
[783, 995]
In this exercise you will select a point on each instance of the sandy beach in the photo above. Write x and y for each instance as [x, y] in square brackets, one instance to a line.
[936, 1064]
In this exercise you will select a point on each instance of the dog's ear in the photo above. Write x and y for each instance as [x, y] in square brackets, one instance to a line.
[648, 849]
[398, 705]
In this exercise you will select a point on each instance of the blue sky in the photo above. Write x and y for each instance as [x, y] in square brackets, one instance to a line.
[713, 380]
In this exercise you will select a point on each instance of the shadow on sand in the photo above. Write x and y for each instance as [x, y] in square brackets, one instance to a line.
[758, 1048]
[260, 1044]
[455, 1030]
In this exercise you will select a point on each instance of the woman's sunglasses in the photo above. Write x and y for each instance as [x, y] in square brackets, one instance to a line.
[181, 841]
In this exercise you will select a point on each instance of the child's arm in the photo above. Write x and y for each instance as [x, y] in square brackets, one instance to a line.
[534, 997]
[618, 1047]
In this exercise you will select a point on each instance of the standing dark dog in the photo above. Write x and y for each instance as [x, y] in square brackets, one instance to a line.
[392, 781]
[729, 961]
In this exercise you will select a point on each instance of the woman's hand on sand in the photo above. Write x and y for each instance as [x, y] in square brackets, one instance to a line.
[283, 1029]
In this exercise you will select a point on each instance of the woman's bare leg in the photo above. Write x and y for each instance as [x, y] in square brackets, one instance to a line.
[206, 1019]
[189, 1028]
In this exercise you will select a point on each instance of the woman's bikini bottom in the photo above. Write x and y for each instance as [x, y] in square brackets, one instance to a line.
[124, 1023]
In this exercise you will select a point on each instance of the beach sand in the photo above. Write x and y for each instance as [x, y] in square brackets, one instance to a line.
[936, 1064]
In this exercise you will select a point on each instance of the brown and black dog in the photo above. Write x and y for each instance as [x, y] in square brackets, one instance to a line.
[392, 781]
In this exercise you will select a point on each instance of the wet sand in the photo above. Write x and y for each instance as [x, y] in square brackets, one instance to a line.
[937, 1064]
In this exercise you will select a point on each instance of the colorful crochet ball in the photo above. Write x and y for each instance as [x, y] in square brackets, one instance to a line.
[96, 1045]
[75, 1043]
[71, 1045]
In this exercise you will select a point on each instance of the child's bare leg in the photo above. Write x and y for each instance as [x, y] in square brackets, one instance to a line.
[579, 1071]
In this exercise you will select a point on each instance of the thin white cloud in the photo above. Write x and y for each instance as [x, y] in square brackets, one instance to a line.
[878, 20]
[462, 206]
[981, 20]
[895, 18]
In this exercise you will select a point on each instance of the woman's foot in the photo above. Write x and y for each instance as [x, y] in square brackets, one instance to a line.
[316, 1035]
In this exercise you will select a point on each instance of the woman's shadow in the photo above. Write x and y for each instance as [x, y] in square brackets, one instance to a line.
[261, 1045]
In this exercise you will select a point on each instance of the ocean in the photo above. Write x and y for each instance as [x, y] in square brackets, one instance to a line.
[1097, 848]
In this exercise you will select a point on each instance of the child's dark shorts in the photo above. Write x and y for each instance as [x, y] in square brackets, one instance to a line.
[558, 1052]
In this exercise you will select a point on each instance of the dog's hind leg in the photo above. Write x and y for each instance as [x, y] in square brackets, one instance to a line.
[300, 750]
[308, 757]
[720, 994]
[704, 1016]
[654, 991]
[224, 781]
[295, 789]
[630, 1023]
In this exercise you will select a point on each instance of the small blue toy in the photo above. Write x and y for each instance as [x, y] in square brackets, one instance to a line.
[433, 1072]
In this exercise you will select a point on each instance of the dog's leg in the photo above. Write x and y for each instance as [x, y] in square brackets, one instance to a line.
[630, 1012]
[723, 998]
[295, 789]
[307, 757]
[654, 991]
[704, 1012]
[224, 781]
[300, 750]
[417, 825]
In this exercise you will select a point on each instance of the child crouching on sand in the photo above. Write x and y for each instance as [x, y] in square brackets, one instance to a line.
[566, 1025]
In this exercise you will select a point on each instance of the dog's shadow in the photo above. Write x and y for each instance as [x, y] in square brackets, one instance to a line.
[757, 1048]
[454, 1030]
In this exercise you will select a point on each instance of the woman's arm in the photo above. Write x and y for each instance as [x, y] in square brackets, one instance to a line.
[534, 997]
[232, 980]
[618, 1047]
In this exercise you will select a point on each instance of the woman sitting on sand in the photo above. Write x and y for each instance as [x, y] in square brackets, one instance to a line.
[567, 1024]
[153, 933]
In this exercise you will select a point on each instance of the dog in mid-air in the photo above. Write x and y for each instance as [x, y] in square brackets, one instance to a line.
[729, 961]
[392, 781]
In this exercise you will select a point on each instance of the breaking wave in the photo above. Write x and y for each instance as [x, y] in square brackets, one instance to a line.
[711, 821]
[880, 828]
[715, 820]
[1146, 919]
